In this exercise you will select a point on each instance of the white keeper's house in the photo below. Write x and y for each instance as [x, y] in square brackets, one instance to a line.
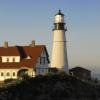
[33, 57]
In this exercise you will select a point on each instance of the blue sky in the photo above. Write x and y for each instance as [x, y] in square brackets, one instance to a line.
[24, 20]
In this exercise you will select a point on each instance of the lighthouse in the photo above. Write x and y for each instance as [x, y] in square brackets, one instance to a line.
[59, 51]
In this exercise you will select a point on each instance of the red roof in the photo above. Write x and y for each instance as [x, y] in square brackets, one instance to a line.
[23, 51]
[9, 51]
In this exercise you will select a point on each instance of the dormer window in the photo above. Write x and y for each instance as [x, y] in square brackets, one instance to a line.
[2, 74]
[28, 57]
[7, 59]
[13, 59]
[0, 59]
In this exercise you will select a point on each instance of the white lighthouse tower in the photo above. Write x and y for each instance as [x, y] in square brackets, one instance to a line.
[59, 51]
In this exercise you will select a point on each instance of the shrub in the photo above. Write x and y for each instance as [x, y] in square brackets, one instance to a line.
[8, 80]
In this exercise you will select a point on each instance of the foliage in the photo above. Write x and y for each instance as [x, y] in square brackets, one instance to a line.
[23, 74]
[63, 74]
[53, 87]
[8, 80]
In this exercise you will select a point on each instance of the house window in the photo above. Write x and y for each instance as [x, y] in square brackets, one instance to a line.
[13, 73]
[43, 70]
[8, 74]
[7, 59]
[46, 70]
[2, 74]
[0, 59]
[42, 60]
[38, 70]
[13, 59]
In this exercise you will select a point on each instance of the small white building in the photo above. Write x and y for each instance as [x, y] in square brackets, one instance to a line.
[33, 57]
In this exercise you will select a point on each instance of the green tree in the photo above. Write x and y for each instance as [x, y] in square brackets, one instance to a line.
[23, 74]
